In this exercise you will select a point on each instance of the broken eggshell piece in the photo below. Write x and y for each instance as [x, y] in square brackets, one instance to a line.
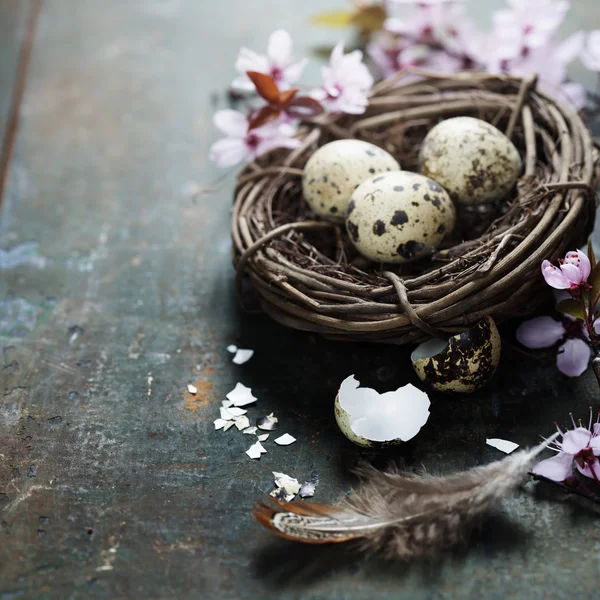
[464, 363]
[369, 418]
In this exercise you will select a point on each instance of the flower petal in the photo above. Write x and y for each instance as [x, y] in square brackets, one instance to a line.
[232, 123]
[248, 60]
[572, 273]
[279, 48]
[573, 357]
[540, 332]
[557, 468]
[570, 48]
[575, 94]
[581, 261]
[554, 277]
[228, 152]
[292, 73]
[587, 471]
[575, 440]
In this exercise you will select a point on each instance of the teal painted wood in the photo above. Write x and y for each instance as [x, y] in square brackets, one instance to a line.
[118, 291]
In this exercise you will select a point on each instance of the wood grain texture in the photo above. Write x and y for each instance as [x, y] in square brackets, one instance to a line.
[17, 29]
[119, 292]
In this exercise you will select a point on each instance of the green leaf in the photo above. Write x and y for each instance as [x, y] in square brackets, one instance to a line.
[334, 18]
[590, 252]
[570, 306]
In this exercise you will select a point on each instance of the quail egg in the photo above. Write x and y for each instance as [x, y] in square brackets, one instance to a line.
[398, 217]
[369, 418]
[474, 161]
[336, 169]
[464, 363]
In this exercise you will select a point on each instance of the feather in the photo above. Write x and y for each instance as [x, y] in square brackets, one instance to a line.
[403, 516]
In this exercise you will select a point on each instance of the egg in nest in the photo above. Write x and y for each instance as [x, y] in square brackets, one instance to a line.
[399, 217]
[336, 169]
[473, 160]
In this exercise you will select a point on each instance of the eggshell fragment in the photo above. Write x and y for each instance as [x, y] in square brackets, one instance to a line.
[368, 418]
[336, 169]
[465, 363]
[399, 217]
[473, 160]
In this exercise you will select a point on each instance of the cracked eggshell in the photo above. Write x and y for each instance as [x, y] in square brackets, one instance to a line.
[464, 364]
[398, 217]
[336, 169]
[471, 159]
[370, 419]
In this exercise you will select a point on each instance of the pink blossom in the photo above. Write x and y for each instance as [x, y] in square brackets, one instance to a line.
[392, 53]
[429, 22]
[242, 145]
[278, 63]
[574, 270]
[590, 56]
[579, 446]
[527, 25]
[544, 332]
[346, 82]
[549, 62]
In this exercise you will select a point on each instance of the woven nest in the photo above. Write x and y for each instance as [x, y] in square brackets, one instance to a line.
[307, 274]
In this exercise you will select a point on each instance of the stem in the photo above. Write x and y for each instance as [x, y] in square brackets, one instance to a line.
[592, 336]
[581, 490]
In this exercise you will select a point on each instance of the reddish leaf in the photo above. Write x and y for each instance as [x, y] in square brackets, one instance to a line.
[265, 86]
[287, 96]
[263, 116]
[304, 107]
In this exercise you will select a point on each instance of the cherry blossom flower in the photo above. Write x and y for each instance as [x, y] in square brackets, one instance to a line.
[278, 63]
[590, 56]
[580, 447]
[549, 62]
[242, 145]
[574, 270]
[430, 22]
[527, 25]
[346, 82]
[391, 53]
[544, 332]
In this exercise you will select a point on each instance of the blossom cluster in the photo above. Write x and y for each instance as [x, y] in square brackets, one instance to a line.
[573, 281]
[346, 83]
[580, 447]
[439, 35]
[436, 35]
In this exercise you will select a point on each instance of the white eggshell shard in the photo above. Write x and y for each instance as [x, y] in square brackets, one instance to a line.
[389, 417]
[399, 217]
[505, 446]
[336, 169]
[472, 159]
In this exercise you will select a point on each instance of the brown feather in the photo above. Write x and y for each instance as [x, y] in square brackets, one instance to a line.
[403, 516]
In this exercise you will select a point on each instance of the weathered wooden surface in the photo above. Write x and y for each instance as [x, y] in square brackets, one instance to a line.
[112, 481]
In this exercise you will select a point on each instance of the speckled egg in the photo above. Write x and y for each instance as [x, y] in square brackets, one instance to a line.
[398, 217]
[471, 159]
[336, 169]
[464, 363]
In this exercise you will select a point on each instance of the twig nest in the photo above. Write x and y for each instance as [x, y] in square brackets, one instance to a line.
[336, 169]
[464, 363]
[369, 418]
[472, 159]
[399, 217]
